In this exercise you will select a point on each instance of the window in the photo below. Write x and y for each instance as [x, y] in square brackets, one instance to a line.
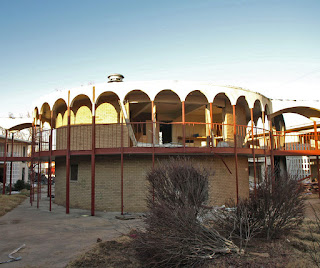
[24, 151]
[74, 172]
[23, 172]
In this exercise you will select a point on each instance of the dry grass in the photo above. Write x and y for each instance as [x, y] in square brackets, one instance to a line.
[116, 253]
[9, 202]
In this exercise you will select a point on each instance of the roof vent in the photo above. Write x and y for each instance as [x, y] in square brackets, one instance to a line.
[115, 78]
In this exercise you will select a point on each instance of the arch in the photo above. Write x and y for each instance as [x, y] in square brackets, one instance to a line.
[107, 96]
[137, 95]
[138, 106]
[168, 109]
[60, 106]
[81, 106]
[168, 106]
[266, 109]
[257, 112]
[165, 95]
[196, 97]
[221, 108]
[80, 101]
[107, 108]
[197, 110]
[45, 113]
[243, 115]
[58, 110]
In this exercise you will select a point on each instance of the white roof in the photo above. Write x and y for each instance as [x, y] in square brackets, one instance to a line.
[152, 88]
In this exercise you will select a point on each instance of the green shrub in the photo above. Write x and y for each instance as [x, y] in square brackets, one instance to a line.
[20, 184]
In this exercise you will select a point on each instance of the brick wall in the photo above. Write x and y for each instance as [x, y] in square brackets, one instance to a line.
[107, 136]
[222, 184]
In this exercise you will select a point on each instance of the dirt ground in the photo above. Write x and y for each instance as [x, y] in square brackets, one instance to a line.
[54, 238]
[312, 201]
[289, 251]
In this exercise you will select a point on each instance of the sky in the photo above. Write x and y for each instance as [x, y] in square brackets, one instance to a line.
[271, 47]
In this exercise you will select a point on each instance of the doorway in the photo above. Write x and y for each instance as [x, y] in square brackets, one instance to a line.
[165, 134]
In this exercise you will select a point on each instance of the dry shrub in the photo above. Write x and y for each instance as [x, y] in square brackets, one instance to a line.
[175, 235]
[272, 212]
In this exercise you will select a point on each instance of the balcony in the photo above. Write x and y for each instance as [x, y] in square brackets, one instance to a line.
[175, 135]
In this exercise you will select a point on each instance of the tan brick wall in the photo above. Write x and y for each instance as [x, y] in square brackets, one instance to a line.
[222, 184]
[107, 136]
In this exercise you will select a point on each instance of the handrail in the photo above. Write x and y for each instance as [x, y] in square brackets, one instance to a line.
[175, 134]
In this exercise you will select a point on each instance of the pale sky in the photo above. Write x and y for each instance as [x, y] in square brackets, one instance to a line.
[267, 46]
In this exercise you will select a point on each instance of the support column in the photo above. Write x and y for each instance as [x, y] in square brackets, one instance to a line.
[4, 180]
[211, 124]
[184, 125]
[315, 134]
[68, 159]
[264, 142]
[153, 121]
[235, 151]
[122, 166]
[39, 167]
[253, 155]
[50, 162]
[317, 150]
[272, 155]
[318, 174]
[32, 166]
[34, 129]
[11, 169]
[93, 153]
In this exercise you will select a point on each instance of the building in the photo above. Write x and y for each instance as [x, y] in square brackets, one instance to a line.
[18, 149]
[104, 138]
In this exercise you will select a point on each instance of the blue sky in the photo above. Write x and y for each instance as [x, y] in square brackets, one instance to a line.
[267, 46]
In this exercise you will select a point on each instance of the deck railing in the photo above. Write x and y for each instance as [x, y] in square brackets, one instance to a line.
[173, 135]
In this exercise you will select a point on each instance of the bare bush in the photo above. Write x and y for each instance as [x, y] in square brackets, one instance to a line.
[273, 211]
[175, 235]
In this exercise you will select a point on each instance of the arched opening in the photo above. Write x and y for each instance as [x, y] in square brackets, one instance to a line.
[167, 105]
[108, 108]
[197, 117]
[58, 110]
[257, 111]
[45, 113]
[59, 138]
[243, 122]
[222, 117]
[82, 108]
[138, 108]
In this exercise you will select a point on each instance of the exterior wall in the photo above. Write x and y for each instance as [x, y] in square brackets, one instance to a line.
[17, 170]
[19, 150]
[107, 136]
[222, 184]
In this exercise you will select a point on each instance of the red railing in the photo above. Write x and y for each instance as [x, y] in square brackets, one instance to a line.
[284, 140]
[172, 135]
